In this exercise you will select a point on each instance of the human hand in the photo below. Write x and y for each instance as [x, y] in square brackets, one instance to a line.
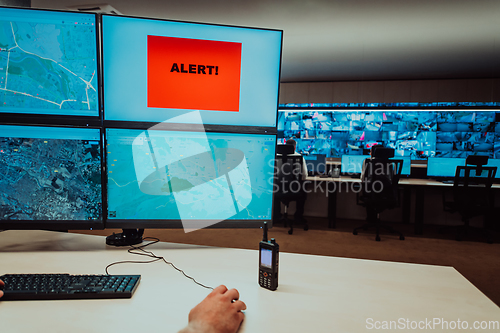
[1, 286]
[219, 312]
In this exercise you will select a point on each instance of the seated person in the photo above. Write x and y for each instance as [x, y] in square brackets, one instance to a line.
[302, 195]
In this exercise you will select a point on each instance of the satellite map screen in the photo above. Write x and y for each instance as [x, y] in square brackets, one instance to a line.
[177, 175]
[48, 62]
[50, 173]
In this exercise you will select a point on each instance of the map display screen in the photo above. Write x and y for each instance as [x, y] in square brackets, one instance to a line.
[48, 62]
[177, 175]
[50, 173]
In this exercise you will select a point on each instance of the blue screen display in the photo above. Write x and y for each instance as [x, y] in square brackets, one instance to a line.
[406, 169]
[444, 166]
[352, 164]
[419, 134]
[48, 62]
[495, 163]
[172, 175]
[266, 258]
[134, 91]
[50, 173]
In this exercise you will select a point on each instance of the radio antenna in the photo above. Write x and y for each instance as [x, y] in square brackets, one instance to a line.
[264, 238]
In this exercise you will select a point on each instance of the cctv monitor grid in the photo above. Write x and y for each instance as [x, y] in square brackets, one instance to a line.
[418, 135]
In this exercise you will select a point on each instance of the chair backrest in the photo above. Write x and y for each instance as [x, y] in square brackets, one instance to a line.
[285, 149]
[380, 181]
[289, 174]
[472, 186]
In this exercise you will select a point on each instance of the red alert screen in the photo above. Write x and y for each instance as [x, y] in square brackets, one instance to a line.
[193, 74]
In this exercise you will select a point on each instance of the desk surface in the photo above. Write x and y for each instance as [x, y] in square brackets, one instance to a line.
[315, 294]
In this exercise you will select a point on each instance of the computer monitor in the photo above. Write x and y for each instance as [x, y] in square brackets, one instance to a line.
[406, 169]
[443, 166]
[154, 70]
[316, 164]
[352, 164]
[51, 178]
[50, 62]
[175, 179]
[492, 162]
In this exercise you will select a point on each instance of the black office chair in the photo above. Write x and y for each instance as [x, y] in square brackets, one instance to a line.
[472, 195]
[379, 189]
[289, 183]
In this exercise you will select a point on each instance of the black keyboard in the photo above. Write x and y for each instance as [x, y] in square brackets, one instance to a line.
[66, 286]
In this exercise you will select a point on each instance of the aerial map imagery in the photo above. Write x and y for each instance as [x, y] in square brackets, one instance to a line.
[49, 179]
[189, 176]
[48, 66]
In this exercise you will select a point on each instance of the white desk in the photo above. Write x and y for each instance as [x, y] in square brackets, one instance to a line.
[315, 294]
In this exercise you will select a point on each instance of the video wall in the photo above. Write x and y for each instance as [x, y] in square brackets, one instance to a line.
[95, 133]
[418, 134]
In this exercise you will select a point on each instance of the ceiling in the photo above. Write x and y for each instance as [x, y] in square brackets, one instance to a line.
[352, 40]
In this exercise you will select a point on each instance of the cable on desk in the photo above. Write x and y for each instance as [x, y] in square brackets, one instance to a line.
[139, 250]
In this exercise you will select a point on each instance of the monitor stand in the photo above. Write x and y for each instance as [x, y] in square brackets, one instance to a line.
[126, 238]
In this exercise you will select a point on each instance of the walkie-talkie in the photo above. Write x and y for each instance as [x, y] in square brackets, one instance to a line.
[268, 262]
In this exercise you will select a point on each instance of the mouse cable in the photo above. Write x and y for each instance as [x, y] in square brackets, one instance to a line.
[139, 250]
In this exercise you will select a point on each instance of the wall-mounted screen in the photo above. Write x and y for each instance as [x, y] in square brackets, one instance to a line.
[155, 70]
[418, 134]
[48, 62]
[49, 174]
[157, 178]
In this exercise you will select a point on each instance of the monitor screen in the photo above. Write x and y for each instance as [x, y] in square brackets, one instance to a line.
[162, 178]
[50, 174]
[443, 166]
[494, 163]
[352, 164]
[315, 163]
[157, 69]
[406, 169]
[49, 62]
[419, 134]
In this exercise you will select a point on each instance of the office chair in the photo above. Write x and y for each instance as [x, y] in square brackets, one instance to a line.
[289, 182]
[379, 189]
[472, 195]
